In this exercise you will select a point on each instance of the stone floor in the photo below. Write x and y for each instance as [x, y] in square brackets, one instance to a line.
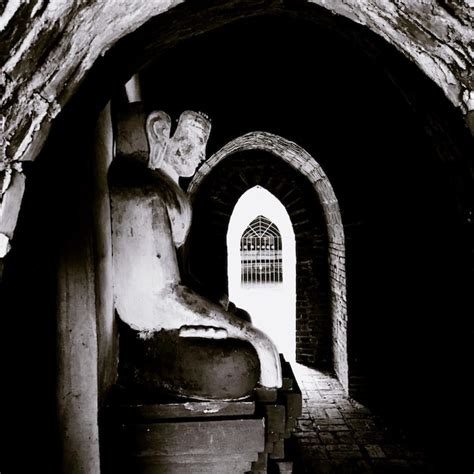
[338, 435]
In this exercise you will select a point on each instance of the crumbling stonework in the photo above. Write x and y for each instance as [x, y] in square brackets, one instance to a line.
[436, 35]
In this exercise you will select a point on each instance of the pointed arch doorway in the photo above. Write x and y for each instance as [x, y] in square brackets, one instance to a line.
[298, 159]
[255, 281]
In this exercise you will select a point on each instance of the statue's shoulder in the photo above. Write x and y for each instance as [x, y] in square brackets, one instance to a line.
[128, 176]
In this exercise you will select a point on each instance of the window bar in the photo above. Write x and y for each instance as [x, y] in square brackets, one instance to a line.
[257, 266]
[268, 264]
[264, 266]
[259, 260]
[244, 263]
[250, 278]
[242, 260]
[279, 260]
[269, 277]
[276, 259]
[252, 263]
[256, 259]
[251, 258]
[270, 270]
[267, 260]
[247, 261]
[273, 259]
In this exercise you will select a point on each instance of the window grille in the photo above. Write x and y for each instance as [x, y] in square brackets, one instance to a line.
[260, 253]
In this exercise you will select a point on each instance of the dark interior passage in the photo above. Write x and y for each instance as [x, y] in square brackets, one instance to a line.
[395, 151]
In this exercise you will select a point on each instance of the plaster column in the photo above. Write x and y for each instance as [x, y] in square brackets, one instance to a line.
[107, 338]
[77, 349]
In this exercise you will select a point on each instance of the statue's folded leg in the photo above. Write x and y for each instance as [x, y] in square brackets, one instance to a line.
[270, 369]
[162, 363]
[196, 316]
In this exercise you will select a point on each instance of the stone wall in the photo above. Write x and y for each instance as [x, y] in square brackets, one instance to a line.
[58, 284]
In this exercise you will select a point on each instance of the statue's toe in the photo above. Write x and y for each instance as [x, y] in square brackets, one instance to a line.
[208, 332]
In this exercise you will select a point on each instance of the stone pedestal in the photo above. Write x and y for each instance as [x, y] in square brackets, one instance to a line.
[188, 437]
[143, 434]
[280, 408]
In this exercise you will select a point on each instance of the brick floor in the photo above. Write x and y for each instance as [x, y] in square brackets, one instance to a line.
[337, 435]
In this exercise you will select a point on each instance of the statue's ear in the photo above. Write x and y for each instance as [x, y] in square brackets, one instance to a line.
[158, 127]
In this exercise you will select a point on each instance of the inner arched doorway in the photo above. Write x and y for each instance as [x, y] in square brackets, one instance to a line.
[263, 280]
[313, 176]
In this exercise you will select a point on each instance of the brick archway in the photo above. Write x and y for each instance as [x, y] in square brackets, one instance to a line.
[303, 162]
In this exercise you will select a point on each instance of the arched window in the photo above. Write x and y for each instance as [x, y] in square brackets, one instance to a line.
[260, 253]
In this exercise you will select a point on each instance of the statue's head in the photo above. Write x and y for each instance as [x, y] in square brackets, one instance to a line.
[185, 149]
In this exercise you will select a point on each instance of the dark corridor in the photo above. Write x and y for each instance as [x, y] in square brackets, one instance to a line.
[395, 150]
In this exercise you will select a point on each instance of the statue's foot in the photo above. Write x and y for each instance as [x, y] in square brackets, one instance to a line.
[207, 332]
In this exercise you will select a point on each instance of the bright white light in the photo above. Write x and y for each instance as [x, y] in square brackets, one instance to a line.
[272, 307]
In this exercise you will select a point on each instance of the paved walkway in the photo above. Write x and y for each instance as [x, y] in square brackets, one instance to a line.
[338, 435]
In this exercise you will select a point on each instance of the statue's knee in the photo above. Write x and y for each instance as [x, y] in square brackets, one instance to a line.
[186, 366]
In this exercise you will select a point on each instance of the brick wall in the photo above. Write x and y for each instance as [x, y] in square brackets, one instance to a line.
[320, 290]
[322, 340]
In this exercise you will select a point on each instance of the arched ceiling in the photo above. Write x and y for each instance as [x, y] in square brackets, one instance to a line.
[48, 47]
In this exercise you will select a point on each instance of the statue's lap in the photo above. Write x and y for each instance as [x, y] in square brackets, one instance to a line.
[199, 368]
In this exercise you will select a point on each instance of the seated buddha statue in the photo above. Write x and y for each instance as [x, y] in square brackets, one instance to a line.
[182, 341]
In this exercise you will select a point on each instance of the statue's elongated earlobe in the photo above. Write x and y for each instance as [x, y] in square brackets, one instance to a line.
[158, 128]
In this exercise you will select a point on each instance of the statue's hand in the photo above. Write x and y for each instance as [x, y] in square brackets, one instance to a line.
[208, 332]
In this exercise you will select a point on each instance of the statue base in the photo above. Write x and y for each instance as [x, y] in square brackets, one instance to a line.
[145, 434]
